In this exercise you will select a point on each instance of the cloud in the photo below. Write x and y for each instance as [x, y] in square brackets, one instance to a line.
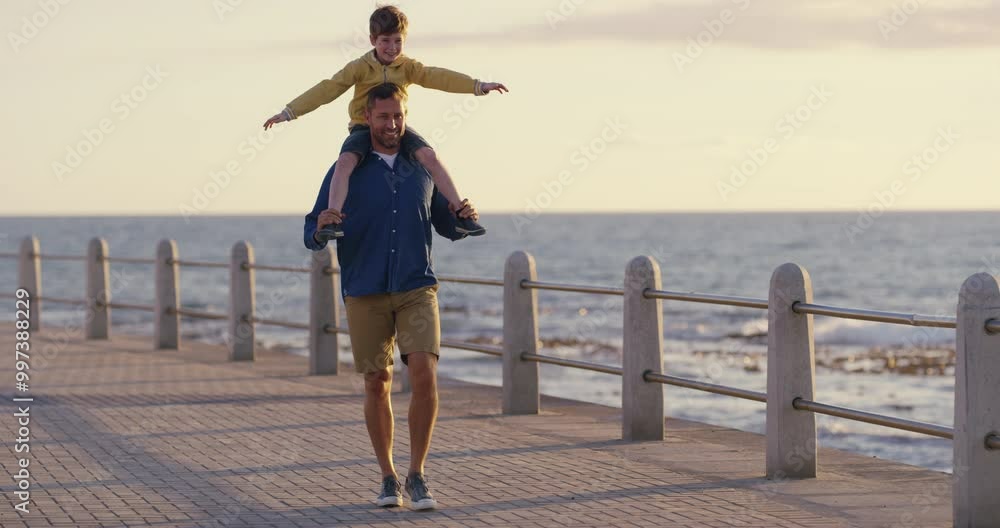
[767, 24]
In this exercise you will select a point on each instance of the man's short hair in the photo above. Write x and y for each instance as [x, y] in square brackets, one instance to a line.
[385, 91]
[387, 20]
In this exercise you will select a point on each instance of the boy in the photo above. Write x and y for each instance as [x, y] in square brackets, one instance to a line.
[385, 64]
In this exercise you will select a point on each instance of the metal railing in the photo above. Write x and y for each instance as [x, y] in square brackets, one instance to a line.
[705, 386]
[576, 288]
[875, 315]
[706, 298]
[939, 431]
[290, 269]
[62, 300]
[197, 264]
[790, 340]
[470, 280]
[129, 260]
[129, 306]
[572, 363]
[62, 257]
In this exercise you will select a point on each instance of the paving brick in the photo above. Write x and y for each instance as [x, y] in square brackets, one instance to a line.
[124, 436]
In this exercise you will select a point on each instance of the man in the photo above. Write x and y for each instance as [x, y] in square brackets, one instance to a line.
[388, 285]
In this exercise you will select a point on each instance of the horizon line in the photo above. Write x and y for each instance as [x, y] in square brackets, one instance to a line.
[515, 212]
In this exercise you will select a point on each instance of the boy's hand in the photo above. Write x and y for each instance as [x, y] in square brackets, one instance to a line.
[276, 118]
[329, 216]
[489, 87]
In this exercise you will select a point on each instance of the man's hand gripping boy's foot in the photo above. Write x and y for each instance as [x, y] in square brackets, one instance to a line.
[329, 223]
[468, 220]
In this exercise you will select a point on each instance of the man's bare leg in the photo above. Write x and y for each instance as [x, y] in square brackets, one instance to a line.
[423, 407]
[378, 418]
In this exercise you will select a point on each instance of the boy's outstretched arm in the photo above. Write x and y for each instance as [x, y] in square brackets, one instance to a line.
[324, 92]
[450, 81]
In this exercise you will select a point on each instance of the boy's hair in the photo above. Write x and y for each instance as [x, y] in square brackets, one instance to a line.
[385, 91]
[387, 20]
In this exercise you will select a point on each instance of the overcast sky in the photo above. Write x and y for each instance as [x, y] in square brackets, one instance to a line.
[631, 105]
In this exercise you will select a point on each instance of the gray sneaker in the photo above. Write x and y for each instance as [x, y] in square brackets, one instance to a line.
[420, 496]
[329, 232]
[391, 494]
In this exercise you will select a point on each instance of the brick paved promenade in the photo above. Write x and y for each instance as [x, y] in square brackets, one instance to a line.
[125, 436]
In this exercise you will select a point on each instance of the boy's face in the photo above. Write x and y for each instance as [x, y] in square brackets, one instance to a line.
[388, 46]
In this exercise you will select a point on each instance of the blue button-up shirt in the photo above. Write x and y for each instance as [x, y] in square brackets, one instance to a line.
[389, 211]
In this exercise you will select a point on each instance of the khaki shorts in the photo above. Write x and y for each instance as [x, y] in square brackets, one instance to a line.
[377, 322]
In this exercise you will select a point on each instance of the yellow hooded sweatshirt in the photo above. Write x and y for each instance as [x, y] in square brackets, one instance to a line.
[366, 72]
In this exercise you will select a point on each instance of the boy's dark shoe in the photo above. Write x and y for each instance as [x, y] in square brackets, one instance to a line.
[391, 494]
[468, 226]
[420, 496]
[329, 232]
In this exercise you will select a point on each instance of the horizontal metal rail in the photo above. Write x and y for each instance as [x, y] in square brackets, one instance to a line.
[130, 260]
[706, 298]
[993, 326]
[61, 300]
[8, 296]
[197, 314]
[993, 442]
[332, 329]
[60, 257]
[875, 315]
[285, 324]
[197, 264]
[492, 350]
[127, 306]
[578, 288]
[10, 255]
[703, 386]
[293, 269]
[939, 431]
[584, 365]
[471, 280]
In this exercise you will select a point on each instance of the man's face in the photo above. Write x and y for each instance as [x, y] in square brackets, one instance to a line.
[387, 120]
[388, 47]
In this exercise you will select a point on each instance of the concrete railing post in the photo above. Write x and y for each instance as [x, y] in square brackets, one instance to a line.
[642, 351]
[242, 303]
[791, 371]
[520, 334]
[29, 277]
[166, 320]
[977, 405]
[98, 324]
[324, 310]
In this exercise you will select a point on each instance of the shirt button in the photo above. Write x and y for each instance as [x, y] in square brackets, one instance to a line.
[394, 211]
[394, 251]
[393, 230]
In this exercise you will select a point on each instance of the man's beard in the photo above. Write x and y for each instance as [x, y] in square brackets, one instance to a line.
[389, 142]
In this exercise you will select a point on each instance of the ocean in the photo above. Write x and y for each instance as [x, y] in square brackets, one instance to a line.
[898, 261]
